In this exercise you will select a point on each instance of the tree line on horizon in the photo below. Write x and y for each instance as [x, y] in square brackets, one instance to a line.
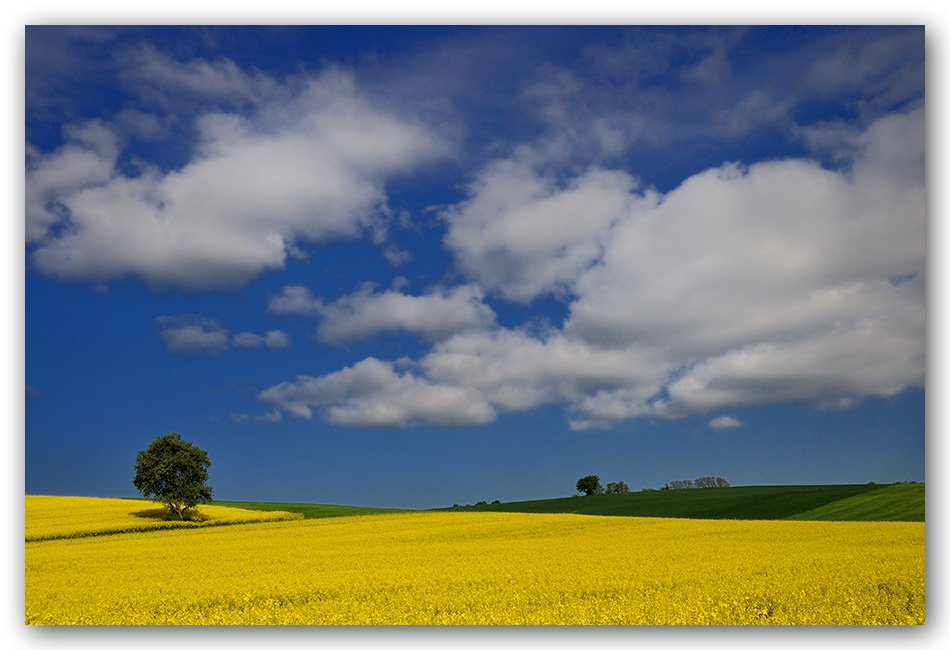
[701, 482]
[590, 484]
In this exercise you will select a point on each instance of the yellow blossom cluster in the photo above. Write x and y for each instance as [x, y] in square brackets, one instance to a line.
[485, 568]
[53, 517]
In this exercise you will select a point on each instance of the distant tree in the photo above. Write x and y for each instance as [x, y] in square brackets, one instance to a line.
[701, 482]
[590, 484]
[711, 482]
[617, 488]
[481, 503]
[495, 501]
[173, 472]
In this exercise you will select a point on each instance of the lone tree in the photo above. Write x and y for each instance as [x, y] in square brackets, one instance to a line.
[173, 472]
[590, 485]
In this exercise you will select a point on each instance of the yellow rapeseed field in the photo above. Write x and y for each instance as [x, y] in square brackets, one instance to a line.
[485, 568]
[50, 517]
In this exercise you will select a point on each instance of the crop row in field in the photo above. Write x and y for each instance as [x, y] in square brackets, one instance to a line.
[485, 568]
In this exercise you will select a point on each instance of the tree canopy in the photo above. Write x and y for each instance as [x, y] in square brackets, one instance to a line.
[173, 472]
[617, 488]
[590, 484]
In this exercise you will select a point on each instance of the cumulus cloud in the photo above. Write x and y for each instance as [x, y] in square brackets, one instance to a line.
[373, 393]
[515, 370]
[468, 379]
[760, 300]
[193, 334]
[196, 335]
[437, 315]
[277, 339]
[295, 299]
[777, 281]
[874, 357]
[88, 159]
[273, 339]
[309, 163]
[725, 422]
[523, 234]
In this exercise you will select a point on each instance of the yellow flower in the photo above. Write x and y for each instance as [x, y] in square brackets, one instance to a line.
[483, 568]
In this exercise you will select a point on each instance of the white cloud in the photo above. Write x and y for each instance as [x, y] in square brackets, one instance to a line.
[467, 379]
[248, 340]
[872, 357]
[616, 100]
[295, 299]
[784, 248]
[437, 315]
[277, 339]
[372, 393]
[244, 418]
[725, 422]
[273, 339]
[781, 281]
[195, 335]
[514, 370]
[88, 159]
[160, 79]
[310, 164]
[192, 334]
[523, 234]
[886, 71]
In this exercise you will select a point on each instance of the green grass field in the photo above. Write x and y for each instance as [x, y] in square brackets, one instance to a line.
[900, 502]
[890, 503]
[310, 510]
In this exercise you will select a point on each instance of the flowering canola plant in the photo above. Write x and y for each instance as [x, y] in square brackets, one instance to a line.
[485, 568]
[52, 517]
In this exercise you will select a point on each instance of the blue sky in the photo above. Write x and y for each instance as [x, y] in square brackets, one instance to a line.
[418, 266]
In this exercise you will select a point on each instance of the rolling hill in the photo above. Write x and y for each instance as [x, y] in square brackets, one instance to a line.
[897, 502]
